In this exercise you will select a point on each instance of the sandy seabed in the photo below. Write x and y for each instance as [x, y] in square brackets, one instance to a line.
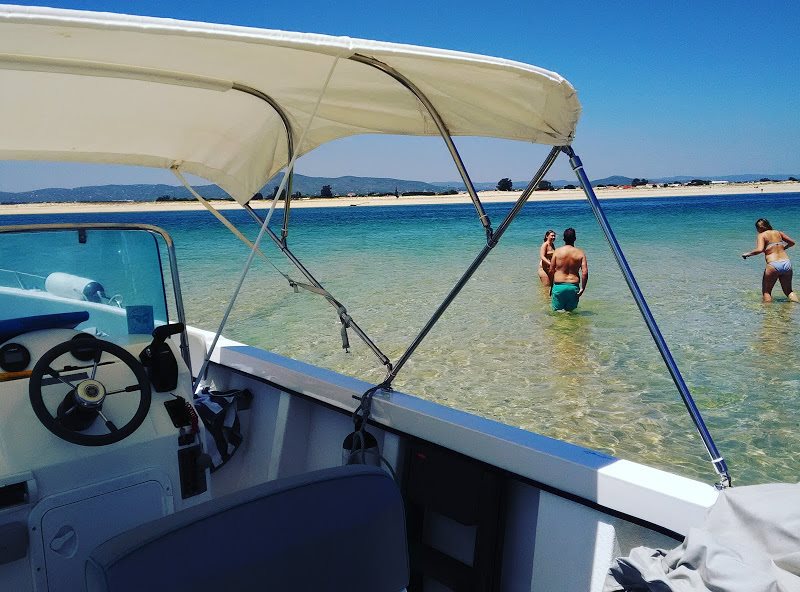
[485, 196]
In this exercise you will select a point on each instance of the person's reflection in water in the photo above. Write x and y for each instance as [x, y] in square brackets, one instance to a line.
[773, 341]
[569, 338]
[567, 410]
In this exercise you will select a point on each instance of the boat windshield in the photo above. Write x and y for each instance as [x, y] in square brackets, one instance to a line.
[107, 282]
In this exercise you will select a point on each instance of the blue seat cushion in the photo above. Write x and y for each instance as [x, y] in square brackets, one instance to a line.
[336, 529]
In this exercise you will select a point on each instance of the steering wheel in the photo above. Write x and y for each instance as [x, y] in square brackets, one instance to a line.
[83, 401]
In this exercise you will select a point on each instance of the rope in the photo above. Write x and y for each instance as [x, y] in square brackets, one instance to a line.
[289, 168]
[310, 288]
[361, 417]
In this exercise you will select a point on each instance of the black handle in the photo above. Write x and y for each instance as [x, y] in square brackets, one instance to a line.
[161, 333]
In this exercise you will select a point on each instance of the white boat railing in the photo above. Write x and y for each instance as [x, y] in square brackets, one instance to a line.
[18, 279]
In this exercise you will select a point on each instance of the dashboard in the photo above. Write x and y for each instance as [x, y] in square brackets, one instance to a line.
[76, 408]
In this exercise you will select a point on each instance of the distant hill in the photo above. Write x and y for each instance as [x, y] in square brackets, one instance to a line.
[110, 193]
[487, 186]
[302, 183]
[730, 178]
[623, 180]
[349, 184]
[613, 180]
[311, 186]
[479, 186]
[745, 178]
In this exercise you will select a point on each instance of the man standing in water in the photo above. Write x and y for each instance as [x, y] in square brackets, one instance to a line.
[567, 262]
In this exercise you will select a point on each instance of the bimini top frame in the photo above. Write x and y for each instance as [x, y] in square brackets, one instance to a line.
[179, 95]
[163, 91]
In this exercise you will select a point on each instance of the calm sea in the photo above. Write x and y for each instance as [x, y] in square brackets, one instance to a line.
[592, 377]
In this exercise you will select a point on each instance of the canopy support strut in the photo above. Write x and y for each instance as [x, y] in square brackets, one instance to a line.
[344, 317]
[289, 167]
[287, 202]
[551, 158]
[443, 131]
[289, 145]
[716, 458]
[281, 242]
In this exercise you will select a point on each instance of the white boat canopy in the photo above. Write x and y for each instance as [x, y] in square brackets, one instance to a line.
[216, 100]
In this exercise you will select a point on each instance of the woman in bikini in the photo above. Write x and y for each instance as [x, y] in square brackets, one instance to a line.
[545, 253]
[773, 244]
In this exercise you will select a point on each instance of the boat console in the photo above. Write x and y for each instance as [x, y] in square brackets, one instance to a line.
[97, 432]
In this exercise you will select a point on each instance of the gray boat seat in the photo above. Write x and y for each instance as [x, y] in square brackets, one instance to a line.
[336, 529]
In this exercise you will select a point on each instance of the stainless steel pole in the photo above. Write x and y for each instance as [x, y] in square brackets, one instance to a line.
[176, 288]
[287, 203]
[289, 145]
[281, 244]
[490, 244]
[443, 131]
[717, 460]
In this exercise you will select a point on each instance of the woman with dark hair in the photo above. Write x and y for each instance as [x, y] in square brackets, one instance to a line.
[773, 243]
[545, 254]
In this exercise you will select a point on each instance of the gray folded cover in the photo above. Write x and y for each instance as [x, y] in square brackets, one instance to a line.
[750, 542]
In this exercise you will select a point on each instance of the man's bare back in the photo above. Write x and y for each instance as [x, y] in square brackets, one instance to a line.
[569, 272]
[569, 266]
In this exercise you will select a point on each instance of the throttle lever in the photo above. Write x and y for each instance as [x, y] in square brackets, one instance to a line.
[158, 359]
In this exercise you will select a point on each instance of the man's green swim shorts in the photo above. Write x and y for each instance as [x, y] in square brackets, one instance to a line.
[564, 297]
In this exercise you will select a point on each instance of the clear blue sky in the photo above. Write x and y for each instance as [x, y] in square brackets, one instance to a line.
[678, 87]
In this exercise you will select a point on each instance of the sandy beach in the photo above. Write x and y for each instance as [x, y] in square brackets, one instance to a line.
[485, 196]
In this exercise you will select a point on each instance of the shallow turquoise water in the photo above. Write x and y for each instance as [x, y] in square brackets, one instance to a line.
[593, 377]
